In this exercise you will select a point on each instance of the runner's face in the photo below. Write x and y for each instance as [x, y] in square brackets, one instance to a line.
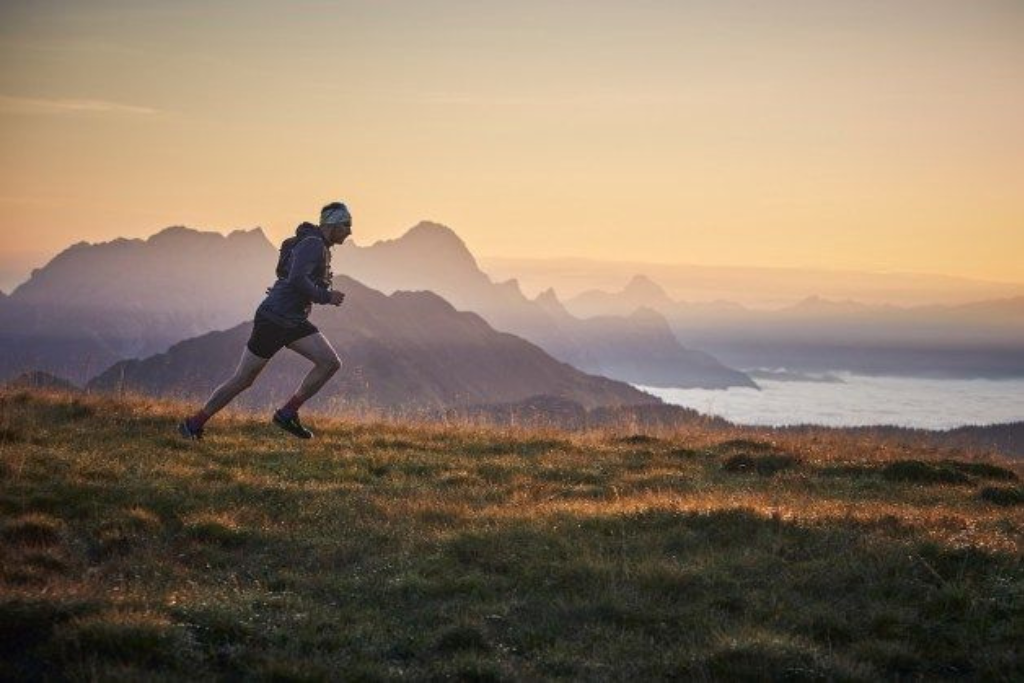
[340, 232]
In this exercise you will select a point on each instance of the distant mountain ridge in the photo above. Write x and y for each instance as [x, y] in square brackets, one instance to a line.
[427, 256]
[407, 352]
[752, 286]
[639, 350]
[639, 292]
[978, 339]
[86, 273]
[93, 305]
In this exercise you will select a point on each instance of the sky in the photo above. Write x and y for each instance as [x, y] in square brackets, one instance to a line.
[871, 135]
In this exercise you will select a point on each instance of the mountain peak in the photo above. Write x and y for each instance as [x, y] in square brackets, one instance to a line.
[548, 301]
[432, 233]
[177, 233]
[643, 287]
[816, 303]
[427, 238]
[255, 234]
[510, 287]
[172, 231]
[548, 296]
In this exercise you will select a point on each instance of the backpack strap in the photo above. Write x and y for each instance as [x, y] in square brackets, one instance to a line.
[284, 256]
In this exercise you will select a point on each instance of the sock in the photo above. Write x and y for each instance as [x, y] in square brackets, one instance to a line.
[291, 408]
[197, 421]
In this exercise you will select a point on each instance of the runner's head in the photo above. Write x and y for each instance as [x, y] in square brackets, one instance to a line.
[336, 222]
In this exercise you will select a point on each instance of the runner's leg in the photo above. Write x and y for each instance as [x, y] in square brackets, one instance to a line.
[325, 359]
[249, 368]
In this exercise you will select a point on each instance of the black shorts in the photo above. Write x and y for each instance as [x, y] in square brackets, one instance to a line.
[268, 337]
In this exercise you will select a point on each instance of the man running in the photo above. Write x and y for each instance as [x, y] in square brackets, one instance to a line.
[303, 278]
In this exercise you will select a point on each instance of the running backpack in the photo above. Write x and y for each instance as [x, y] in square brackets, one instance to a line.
[284, 258]
[284, 261]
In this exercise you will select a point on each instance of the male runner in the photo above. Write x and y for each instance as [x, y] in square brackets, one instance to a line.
[303, 278]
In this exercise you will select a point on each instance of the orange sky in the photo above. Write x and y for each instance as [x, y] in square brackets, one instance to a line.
[866, 135]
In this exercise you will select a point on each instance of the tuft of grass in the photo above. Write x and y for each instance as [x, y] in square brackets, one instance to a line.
[764, 465]
[27, 627]
[219, 530]
[33, 529]
[771, 657]
[11, 435]
[638, 440]
[1006, 496]
[130, 529]
[46, 561]
[461, 637]
[745, 446]
[75, 410]
[982, 470]
[920, 472]
[216, 625]
[144, 639]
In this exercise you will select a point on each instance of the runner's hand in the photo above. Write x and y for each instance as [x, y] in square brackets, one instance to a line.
[337, 297]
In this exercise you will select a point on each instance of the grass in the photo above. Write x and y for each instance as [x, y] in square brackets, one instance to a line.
[408, 552]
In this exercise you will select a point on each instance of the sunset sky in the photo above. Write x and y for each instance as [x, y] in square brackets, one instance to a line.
[863, 135]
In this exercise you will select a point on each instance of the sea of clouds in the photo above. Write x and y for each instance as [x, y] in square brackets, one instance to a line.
[859, 400]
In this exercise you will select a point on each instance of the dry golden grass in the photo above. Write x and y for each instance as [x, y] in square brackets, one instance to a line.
[402, 551]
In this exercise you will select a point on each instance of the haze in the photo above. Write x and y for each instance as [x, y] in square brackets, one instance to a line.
[837, 135]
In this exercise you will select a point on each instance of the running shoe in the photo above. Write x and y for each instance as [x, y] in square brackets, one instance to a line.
[292, 425]
[188, 432]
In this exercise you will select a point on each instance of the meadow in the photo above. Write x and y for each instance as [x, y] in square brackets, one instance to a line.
[389, 551]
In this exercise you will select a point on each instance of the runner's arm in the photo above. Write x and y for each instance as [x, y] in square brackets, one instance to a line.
[306, 255]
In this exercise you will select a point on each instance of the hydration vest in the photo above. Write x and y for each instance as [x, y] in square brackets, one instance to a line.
[284, 261]
[284, 258]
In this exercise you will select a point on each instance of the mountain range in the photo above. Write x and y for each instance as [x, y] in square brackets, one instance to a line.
[406, 353]
[751, 286]
[979, 339]
[638, 347]
[94, 305]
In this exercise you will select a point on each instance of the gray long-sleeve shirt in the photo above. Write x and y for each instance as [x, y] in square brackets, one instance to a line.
[289, 301]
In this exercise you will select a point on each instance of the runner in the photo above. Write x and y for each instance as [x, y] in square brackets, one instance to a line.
[303, 278]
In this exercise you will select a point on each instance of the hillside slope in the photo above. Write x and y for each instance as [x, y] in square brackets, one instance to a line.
[402, 353]
[403, 552]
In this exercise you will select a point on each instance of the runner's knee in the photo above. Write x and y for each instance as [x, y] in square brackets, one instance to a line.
[332, 365]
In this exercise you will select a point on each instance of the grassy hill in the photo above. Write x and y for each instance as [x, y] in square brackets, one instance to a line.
[391, 552]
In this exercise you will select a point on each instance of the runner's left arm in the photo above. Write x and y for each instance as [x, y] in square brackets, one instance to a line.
[306, 256]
